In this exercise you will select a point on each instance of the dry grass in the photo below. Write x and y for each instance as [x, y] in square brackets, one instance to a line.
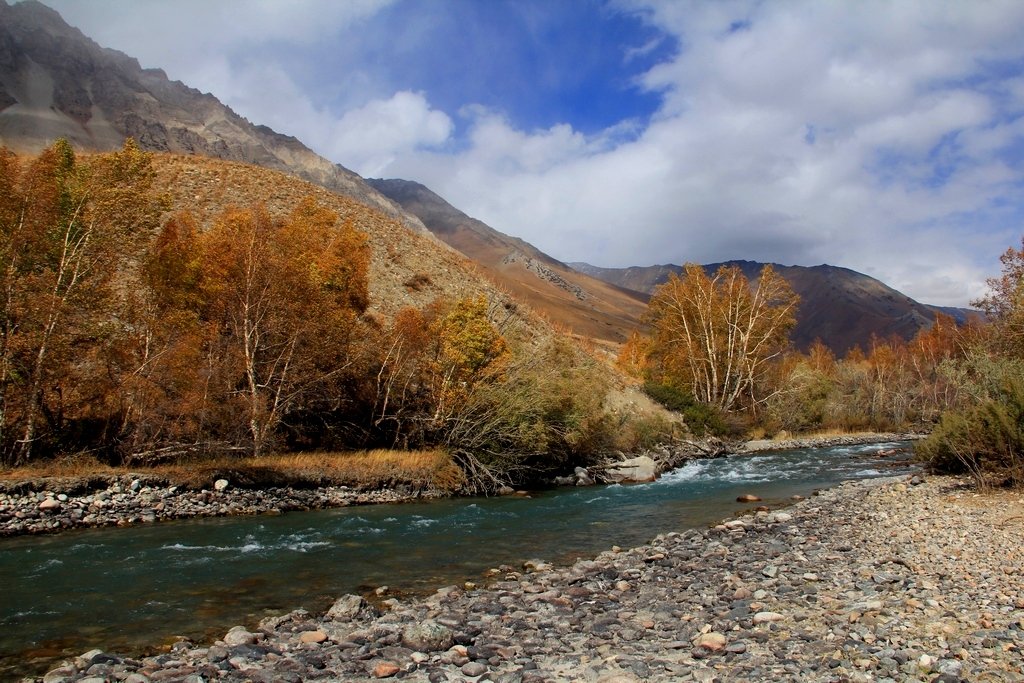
[831, 433]
[71, 466]
[376, 469]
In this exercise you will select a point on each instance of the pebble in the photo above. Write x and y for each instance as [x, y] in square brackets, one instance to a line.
[869, 581]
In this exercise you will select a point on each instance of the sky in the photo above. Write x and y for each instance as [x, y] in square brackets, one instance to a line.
[886, 137]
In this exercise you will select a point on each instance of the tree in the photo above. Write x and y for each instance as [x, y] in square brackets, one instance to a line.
[1004, 304]
[247, 323]
[165, 400]
[67, 227]
[714, 335]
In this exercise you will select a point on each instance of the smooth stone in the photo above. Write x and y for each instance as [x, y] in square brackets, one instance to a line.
[315, 637]
[239, 635]
[712, 640]
[427, 636]
[747, 498]
[221, 485]
[767, 617]
[385, 669]
[473, 669]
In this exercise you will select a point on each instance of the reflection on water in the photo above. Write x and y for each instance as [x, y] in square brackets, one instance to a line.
[128, 588]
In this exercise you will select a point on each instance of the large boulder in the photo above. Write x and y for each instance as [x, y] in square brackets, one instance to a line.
[638, 469]
[427, 636]
[346, 607]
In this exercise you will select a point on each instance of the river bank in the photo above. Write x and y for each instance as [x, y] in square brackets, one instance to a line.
[872, 580]
[53, 504]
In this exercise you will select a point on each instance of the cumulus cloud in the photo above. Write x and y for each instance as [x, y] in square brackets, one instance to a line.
[885, 137]
[371, 137]
[854, 134]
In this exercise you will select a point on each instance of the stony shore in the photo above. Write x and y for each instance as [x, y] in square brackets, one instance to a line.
[53, 504]
[879, 580]
[50, 506]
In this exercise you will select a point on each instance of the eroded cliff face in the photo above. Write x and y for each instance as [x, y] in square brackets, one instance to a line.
[56, 82]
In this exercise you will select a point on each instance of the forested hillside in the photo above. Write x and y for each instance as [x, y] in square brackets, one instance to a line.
[160, 307]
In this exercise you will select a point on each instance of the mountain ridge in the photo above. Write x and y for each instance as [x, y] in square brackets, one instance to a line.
[588, 306]
[57, 82]
[840, 306]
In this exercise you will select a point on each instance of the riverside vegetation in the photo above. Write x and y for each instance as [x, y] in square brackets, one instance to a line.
[145, 320]
[138, 332]
[141, 332]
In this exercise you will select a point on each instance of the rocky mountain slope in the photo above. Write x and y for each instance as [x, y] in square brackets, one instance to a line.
[840, 306]
[588, 306]
[407, 268]
[56, 82]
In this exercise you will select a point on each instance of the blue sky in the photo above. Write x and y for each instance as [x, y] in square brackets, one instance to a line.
[886, 137]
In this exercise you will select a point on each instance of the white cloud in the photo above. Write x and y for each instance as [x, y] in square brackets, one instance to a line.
[800, 132]
[727, 168]
[183, 35]
[372, 137]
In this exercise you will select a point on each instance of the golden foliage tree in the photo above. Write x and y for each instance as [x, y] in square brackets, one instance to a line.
[1004, 304]
[68, 226]
[714, 335]
[268, 309]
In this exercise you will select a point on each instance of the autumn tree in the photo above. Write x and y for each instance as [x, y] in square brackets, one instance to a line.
[166, 359]
[272, 305]
[714, 335]
[68, 225]
[632, 357]
[1004, 304]
[468, 349]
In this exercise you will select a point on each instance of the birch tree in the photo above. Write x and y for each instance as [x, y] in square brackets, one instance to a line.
[285, 297]
[715, 335]
[67, 227]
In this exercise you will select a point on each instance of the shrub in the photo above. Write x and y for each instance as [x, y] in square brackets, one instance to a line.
[701, 418]
[986, 441]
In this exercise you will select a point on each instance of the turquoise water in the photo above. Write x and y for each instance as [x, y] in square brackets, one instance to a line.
[128, 589]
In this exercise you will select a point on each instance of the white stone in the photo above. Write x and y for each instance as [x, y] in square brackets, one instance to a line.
[639, 469]
[239, 635]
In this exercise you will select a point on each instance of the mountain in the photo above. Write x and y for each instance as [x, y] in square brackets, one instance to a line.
[56, 82]
[840, 306]
[588, 306]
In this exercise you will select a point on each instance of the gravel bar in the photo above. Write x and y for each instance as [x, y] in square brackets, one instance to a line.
[897, 579]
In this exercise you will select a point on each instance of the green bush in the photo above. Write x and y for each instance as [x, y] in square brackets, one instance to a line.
[701, 418]
[986, 441]
[544, 415]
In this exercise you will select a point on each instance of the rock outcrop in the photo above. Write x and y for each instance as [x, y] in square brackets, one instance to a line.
[56, 82]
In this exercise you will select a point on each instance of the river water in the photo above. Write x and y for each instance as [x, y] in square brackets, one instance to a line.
[129, 589]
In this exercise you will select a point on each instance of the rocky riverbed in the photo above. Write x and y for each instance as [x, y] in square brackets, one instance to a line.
[881, 580]
[51, 505]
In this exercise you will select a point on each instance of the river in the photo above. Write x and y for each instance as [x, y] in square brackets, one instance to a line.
[129, 589]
